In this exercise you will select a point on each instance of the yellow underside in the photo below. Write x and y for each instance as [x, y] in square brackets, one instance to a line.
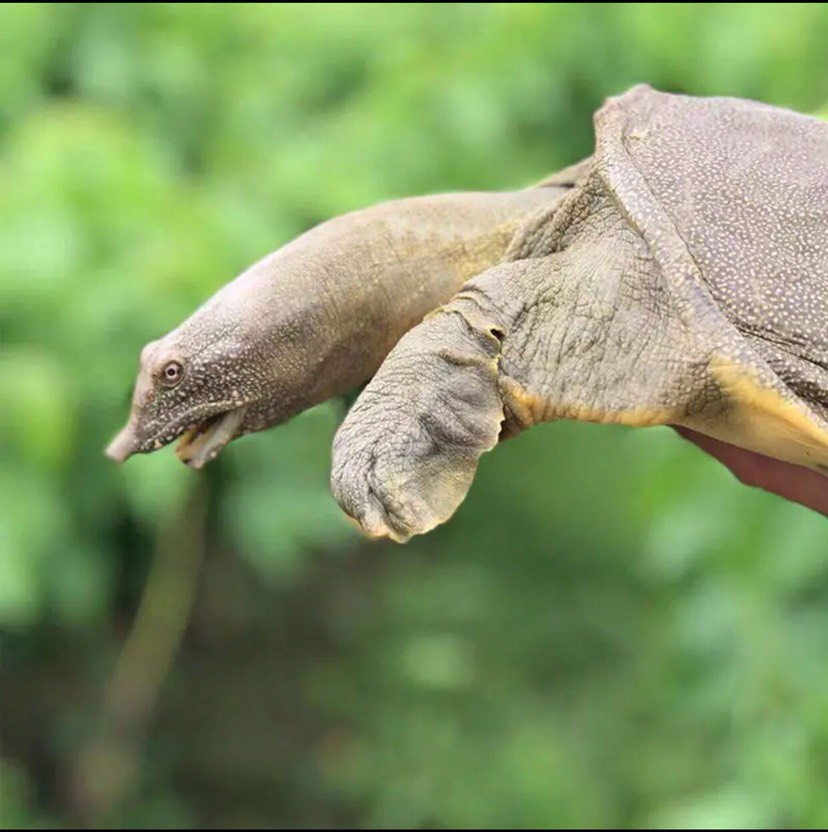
[756, 417]
[529, 409]
[759, 418]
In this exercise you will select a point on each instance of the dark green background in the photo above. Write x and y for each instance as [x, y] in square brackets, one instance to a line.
[611, 631]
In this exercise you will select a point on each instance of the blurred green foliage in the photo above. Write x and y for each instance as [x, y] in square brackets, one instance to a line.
[611, 632]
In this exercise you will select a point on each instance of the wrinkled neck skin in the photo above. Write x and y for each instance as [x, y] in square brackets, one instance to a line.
[316, 318]
[322, 313]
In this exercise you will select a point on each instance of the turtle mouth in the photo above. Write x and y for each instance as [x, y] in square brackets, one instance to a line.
[203, 442]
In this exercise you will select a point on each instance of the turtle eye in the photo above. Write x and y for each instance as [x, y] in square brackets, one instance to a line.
[171, 374]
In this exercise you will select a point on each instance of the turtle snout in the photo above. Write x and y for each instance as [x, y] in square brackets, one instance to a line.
[124, 445]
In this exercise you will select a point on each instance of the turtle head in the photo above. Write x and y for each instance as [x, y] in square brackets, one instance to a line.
[199, 382]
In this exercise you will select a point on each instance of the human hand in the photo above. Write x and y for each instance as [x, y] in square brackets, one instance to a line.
[792, 482]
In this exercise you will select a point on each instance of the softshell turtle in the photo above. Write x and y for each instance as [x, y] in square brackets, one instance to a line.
[678, 276]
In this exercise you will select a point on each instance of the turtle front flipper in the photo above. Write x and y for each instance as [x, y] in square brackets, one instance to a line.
[589, 333]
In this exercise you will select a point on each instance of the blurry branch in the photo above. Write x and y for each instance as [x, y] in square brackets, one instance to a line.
[106, 769]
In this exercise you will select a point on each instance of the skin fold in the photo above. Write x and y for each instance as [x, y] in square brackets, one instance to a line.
[678, 276]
